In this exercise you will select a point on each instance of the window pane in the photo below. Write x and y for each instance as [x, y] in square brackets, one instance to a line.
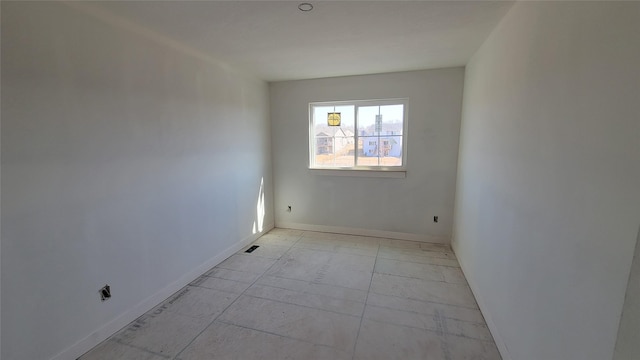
[380, 135]
[334, 145]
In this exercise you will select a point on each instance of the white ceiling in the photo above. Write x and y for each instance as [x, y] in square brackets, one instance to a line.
[276, 41]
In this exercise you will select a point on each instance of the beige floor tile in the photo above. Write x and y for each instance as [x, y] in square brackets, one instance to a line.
[337, 246]
[403, 244]
[348, 240]
[110, 350]
[235, 275]
[199, 302]
[248, 263]
[436, 322]
[166, 333]
[214, 283]
[319, 235]
[379, 340]
[294, 321]
[409, 269]
[416, 256]
[460, 348]
[453, 275]
[285, 232]
[322, 302]
[417, 289]
[226, 341]
[406, 244]
[427, 308]
[425, 271]
[387, 341]
[323, 267]
[314, 288]
[466, 329]
[384, 250]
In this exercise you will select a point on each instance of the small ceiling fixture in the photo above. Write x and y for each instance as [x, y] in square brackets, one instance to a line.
[305, 7]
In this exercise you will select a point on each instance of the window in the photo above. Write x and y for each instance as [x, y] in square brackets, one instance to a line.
[358, 135]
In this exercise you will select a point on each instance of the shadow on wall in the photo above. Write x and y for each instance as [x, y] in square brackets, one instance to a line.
[258, 224]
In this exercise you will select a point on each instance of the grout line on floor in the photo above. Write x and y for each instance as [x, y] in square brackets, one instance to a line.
[303, 306]
[233, 302]
[426, 314]
[423, 263]
[310, 293]
[355, 343]
[428, 301]
[279, 335]
[440, 332]
[318, 283]
[417, 278]
[333, 251]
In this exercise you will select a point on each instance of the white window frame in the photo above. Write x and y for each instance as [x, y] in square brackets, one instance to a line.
[356, 170]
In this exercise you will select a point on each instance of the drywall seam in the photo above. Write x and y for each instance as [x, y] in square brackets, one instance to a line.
[365, 232]
[103, 333]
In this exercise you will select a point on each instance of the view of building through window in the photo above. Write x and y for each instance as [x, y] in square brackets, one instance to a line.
[370, 134]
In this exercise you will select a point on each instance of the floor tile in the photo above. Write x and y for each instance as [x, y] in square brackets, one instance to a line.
[235, 275]
[306, 287]
[322, 302]
[435, 322]
[418, 252]
[294, 321]
[428, 308]
[417, 289]
[452, 274]
[227, 341]
[460, 348]
[407, 244]
[248, 263]
[214, 283]
[166, 333]
[110, 350]
[323, 267]
[338, 246]
[387, 341]
[199, 302]
[285, 232]
[350, 240]
[416, 256]
[409, 269]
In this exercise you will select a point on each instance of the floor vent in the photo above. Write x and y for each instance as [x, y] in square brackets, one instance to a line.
[250, 250]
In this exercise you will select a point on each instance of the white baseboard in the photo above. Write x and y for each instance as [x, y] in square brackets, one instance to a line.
[502, 347]
[104, 332]
[365, 232]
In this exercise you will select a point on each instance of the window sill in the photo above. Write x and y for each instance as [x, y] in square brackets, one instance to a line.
[395, 174]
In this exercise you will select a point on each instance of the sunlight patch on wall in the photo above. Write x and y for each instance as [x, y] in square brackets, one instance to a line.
[259, 223]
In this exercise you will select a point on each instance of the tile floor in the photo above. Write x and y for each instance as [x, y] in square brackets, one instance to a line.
[310, 295]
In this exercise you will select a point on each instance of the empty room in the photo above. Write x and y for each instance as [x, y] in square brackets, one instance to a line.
[442, 180]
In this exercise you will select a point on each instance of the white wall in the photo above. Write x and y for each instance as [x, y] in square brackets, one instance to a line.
[548, 195]
[627, 344]
[394, 207]
[126, 159]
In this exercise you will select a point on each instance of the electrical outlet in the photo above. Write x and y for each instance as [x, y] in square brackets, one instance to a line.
[105, 293]
[289, 208]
